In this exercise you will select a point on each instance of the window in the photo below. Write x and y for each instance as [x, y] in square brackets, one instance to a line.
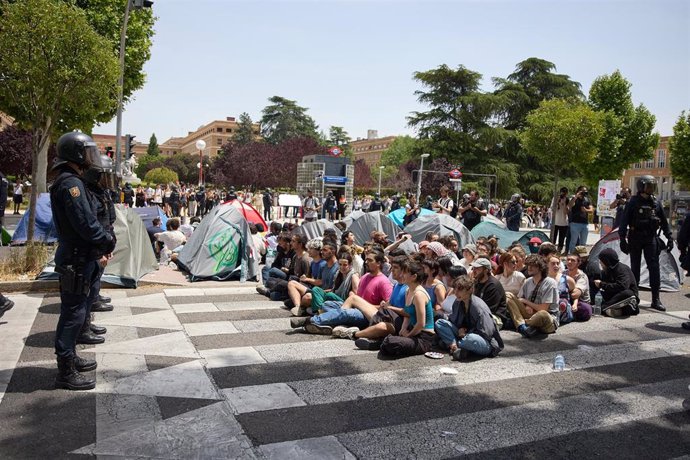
[649, 163]
[219, 152]
[219, 141]
[228, 130]
[661, 158]
[637, 166]
[220, 130]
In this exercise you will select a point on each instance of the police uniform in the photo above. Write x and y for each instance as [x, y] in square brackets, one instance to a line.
[174, 202]
[80, 238]
[642, 217]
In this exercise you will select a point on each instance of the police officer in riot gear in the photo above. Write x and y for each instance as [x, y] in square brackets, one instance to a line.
[642, 218]
[513, 213]
[174, 201]
[81, 238]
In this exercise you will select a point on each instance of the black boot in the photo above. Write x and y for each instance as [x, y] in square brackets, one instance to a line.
[69, 378]
[84, 365]
[100, 306]
[86, 336]
[103, 299]
[98, 330]
[656, 303]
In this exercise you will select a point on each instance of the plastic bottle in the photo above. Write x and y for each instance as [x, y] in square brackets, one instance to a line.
[559, 363]
[598, 300]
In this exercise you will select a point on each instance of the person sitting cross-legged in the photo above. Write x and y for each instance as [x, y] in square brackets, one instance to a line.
[470, 328]
[299, 291]
[618, 286]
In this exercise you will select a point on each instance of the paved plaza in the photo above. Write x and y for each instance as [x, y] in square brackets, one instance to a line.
[216, 372]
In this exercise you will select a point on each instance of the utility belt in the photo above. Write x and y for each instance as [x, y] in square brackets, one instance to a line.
[72, 276]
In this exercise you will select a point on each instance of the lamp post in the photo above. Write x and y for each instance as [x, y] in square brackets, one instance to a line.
[381, 168]
[419, 177]
[201, 145]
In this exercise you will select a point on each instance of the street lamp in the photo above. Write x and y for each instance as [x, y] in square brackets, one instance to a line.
[381, 168]
[419, 176]
[201, 145]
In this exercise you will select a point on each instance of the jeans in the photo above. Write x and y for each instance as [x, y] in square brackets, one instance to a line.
[73, 309]
[272, 272]
[474, 343]
[340, 317]
[577, 232]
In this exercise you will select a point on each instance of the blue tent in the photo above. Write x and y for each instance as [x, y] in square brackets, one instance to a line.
[44, 229]
[398, 215]
[506, 237]
[151, 212]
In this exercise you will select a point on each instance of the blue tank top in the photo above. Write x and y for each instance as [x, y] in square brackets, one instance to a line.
[412, 312]
[563, 291]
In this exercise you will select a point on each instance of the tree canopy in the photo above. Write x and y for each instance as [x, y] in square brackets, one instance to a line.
[15, 151]
[161, 176]
[679, 149]
[283, 119]
[245, 130]
[152, 149]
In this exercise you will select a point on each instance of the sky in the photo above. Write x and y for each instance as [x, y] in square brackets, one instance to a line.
[351, 62]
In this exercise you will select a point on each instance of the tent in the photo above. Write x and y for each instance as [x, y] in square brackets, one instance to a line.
[133, 257]
[354, 215]
[398, 215]
[248, 211]
[507, 237]
[315, 229]
[5, 237]
[441, 224]
[671, 275]
[494, 220]
[44, 230]
[362, 226]
[149, 213]
[221, 248]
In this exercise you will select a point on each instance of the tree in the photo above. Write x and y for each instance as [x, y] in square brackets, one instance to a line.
[185, 166]
[679, 149]
[338, 136]
[283, 119]
[245, 130]
[54, 70]
[562, 135]
[147, 163]
[15, 151]
[363, 179]
[400, 151]
[628, 136]
[161, 176]
[152, 149]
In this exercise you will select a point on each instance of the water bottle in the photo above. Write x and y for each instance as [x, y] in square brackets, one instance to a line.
[270, 257]
[559, 363]
[598, 300]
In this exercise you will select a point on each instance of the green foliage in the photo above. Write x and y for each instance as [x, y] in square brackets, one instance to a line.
[283, 119]
[161, 176]
[628, 136]
[147, 163]
[152, 149]
[679, 149]
[399, 152]
[338, 136]
[245, 130]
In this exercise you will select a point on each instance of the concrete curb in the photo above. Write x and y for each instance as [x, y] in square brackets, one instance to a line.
[53, 286]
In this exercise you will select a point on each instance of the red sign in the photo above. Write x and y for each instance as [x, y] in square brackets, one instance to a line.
[335, 151]
[455, 174]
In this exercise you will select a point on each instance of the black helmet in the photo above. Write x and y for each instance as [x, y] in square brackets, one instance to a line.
[77, 148]
[102, 165]
[646, 184]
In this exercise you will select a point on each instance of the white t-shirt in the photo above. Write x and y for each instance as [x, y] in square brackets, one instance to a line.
[171, 239]
[512, 283]
[18, 189]
[446, 203]
[561, 216]
[310, 204]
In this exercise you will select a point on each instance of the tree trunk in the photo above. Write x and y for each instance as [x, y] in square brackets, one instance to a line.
[552, 234]
[39, 171]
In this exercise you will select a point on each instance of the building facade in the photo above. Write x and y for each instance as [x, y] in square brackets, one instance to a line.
[371, 149]
[5, 121]
[324, 173]
[215, 134]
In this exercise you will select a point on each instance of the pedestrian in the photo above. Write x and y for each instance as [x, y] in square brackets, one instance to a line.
[580, 206]
[311, 207]
[4, 190]
[128, 193]
[267, 201]
[80, 238]
[560, 218]
[642, 218]
[472, 210]
[513, 214]
[201, 201]
[174, 202]
[17, 196]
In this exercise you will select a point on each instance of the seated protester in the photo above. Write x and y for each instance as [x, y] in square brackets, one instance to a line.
[470, 328]
[259, 243]
[438, 250]
[484, 250]
[490, 290]
[520, 256]
[547, 250]
[271, 238]
[300, 294]
[469, 252]
[276, 287]
[401, 238]
[373, 289]
[282, 262]
[534, 244]
[380, 238]
[348, 238]
[510, 278]
[593, 271]
[582, 303]
[414, 332]
[535, 309]
[172, 239]
[618, 286]
[346, 282]
[431, 236]
[450, 243]
[454, 272]
[565, 285]
[315, 266]
[433, 285]
[329, 234]
[357, 262]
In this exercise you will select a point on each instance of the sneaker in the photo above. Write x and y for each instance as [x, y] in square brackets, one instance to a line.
[529, 332]
[460, 354]
[521, 329]
[368, 344]
[338, 330]
[263, 290]
[349, 333]
[618, 306]
[686, 325]
[317, 329]
[289, 304]
[6, 306]
[298, 322]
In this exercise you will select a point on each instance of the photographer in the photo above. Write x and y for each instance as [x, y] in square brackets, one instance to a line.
[513, 214]
[444, 205]
[580, 206]
[311, 207]
[472, 210]
[619, 205]
[411, 210]
[560, 217]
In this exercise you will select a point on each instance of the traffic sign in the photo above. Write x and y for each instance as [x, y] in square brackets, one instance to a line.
[455, 173]
[335, 151]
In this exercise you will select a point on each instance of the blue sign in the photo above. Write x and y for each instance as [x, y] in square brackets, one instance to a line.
[335, 179]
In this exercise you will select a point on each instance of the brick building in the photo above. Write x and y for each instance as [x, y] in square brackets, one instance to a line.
[371, 149]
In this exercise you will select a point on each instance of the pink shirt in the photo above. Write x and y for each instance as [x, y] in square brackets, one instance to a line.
[375, 289]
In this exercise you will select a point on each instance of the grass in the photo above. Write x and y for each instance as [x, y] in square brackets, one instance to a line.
[24, 262]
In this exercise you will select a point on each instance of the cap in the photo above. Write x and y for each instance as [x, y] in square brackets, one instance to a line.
[535, 240]
[582, 251]
[470, 247]
[481, 262]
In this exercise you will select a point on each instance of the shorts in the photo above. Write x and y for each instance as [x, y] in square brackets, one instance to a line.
[388, 316]
[17, 199]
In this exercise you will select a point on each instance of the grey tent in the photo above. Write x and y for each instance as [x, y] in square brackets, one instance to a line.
[133, 257]
[363, 224]
[315, 229]
[221, 248]
[442, 225]
[354, 215]
[507, 237]
[671, 275]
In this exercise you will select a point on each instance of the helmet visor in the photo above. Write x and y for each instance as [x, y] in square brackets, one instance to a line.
[649, 188]
[91, 153]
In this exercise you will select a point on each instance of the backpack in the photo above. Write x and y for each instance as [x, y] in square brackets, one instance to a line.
[454, 211]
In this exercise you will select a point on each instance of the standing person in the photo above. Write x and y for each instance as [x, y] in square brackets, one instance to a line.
[580, 206]
[157, 196]
[513, 214]
[642, 218]
[376, 204]
[329, 205]
[560, 217]
[619, 205]
[445, 204]
[267, 199]
[201, 201]
[183, 201]
[311, 207]
[191, 203]
[140, 197]
[473, 210]
[17, 196]
[128, 194]
[149, 195]
[174, 202]
[342, 205]
[80, 238]
[4, 189]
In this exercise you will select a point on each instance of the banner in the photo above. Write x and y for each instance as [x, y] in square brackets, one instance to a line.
[608, 189]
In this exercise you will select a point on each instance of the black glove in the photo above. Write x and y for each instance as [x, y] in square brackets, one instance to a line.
[669, 245]
[624, 246]
[109, 245]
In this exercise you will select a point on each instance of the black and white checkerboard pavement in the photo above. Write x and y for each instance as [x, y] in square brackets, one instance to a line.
[218, 373]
